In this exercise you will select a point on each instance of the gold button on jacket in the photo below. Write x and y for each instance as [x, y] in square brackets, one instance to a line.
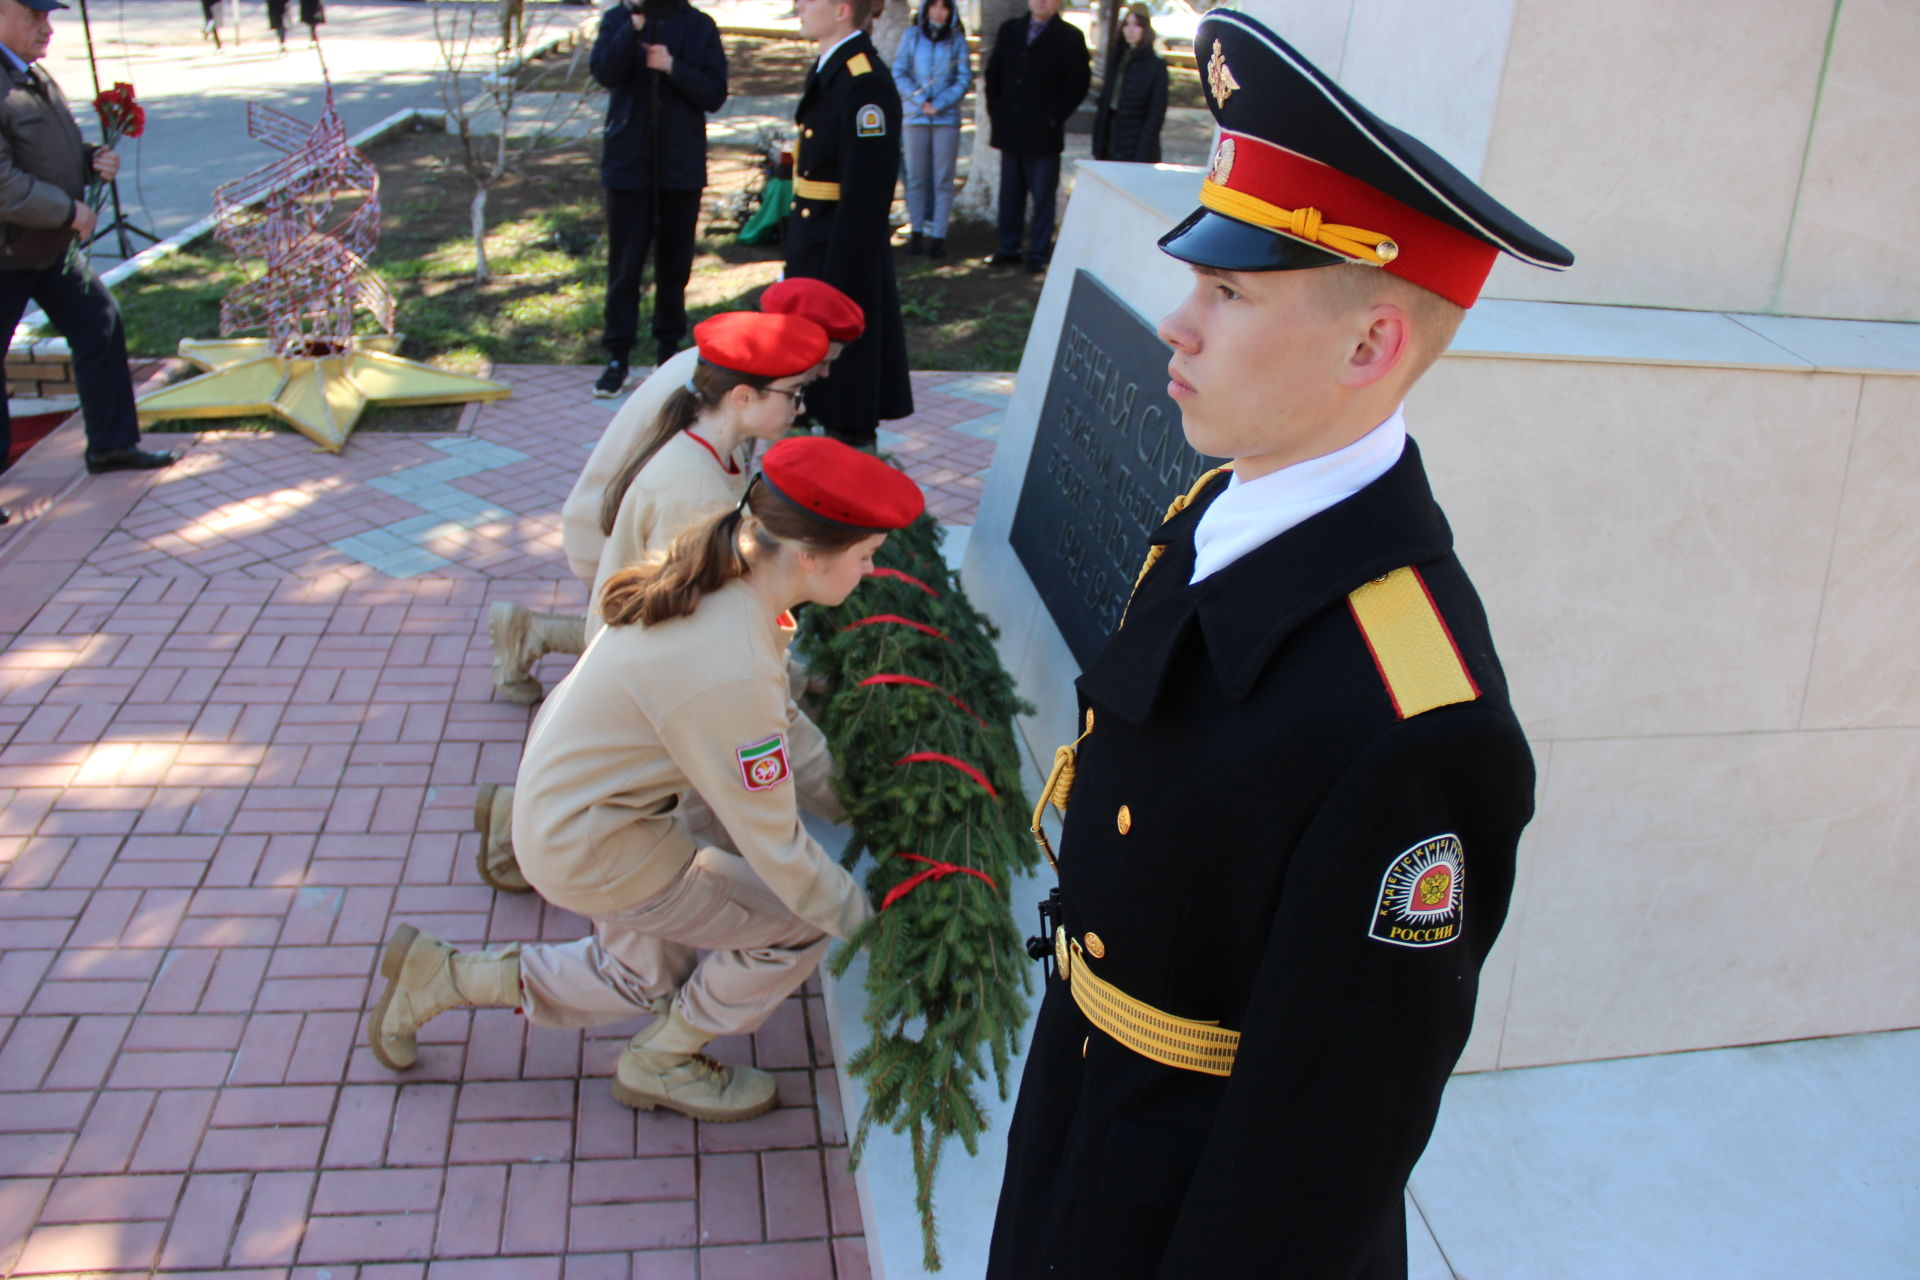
[1124, 820]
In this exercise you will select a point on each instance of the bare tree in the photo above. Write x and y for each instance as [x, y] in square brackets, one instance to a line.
[980, 197]
[889, 25]
[480, 85]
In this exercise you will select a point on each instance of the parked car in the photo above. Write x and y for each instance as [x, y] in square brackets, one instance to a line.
[1174, 22]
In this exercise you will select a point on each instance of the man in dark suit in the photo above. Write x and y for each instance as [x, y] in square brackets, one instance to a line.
[1291, 830]
[44, 168]
[1036, 76]
[665, 71]
[844, 171]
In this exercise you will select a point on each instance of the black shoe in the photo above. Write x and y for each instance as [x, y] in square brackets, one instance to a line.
[130, 459]
[914, 242]
[937, 247]
[665, 352]
[1004, 260]
[612, 378]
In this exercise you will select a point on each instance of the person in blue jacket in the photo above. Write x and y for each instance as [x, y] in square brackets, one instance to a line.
[665, 71]
[933, 72]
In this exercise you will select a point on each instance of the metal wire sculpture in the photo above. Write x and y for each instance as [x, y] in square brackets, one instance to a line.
[317, 275]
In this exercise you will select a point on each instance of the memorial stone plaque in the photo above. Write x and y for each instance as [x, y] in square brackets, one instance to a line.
[1108, 456]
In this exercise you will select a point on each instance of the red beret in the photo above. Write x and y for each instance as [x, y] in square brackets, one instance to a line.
[841, 484]
[819, 302]
[761, 345]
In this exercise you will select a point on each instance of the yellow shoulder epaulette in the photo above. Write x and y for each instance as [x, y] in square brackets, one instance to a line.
[1411, 646]
[859, 64]
[1174, 508]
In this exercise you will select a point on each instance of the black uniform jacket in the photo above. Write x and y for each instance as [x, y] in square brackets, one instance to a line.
[1032, 88]
[1132, 130]
[849, 120]
[1270, 788]
[696, 86]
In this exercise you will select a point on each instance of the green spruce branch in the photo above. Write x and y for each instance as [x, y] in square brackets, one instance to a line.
[947, 976]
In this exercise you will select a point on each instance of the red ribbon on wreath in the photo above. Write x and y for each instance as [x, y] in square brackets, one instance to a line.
[918, 683]
[907, 578]
[935, 871]
[921, 627]
[923, 757]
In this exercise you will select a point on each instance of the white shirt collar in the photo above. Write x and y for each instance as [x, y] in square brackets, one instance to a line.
[14, 60]
[821, 61]
[1254, 512]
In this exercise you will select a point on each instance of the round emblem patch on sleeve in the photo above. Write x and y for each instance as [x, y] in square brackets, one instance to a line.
[1420, 896]
[763, 764]
[871, 122]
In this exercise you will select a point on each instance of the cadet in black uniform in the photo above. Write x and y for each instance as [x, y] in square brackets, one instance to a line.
[1293, 814]
[843, 179]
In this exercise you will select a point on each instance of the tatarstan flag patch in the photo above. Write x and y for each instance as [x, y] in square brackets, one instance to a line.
[763, 764]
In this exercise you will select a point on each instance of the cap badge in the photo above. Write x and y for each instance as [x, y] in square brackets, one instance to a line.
[1220, 76]
[1222, 162]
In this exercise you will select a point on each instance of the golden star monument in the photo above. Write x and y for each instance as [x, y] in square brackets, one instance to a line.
[312, 372]
[320, 396]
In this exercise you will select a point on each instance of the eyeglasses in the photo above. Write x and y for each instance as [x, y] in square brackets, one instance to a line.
[797, 394]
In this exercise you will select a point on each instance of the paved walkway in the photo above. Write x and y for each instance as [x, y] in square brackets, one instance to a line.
[244, 704]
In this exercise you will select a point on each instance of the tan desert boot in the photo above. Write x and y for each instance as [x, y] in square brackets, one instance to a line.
[663, 1067]
[426, 977]
[521, 638]
[493, 819]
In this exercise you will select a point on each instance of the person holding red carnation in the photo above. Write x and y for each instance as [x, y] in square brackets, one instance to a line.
[45, 166]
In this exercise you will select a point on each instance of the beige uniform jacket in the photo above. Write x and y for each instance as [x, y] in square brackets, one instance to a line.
[681, 486]
[44, 163]
[698, 704]
[580, 517]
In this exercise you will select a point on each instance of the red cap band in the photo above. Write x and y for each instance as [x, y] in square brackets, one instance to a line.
[1425, 251]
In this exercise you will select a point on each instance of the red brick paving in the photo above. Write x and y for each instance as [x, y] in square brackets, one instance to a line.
[231, 754]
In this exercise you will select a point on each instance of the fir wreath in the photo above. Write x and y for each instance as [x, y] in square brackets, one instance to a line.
[919, 714]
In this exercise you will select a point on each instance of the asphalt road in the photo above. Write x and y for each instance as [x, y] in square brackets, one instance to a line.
[383, 57]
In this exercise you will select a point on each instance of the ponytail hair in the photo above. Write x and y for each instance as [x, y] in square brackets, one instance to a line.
[705, 558]
[702, 392]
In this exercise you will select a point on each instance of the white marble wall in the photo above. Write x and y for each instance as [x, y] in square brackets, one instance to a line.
[1717, 155]
[1704, 581]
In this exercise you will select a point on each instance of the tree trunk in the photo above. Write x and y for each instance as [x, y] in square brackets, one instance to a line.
[477, 213]
[980, 198]
[889, 27]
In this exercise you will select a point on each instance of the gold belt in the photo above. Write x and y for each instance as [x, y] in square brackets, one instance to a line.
[808, 189]
[1206, 1047]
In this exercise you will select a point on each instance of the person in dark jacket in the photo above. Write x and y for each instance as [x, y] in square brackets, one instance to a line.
[1133, 101]
[665, 72]
[844, 169]
[1292, 821]
[45, 165]
[1036, 77]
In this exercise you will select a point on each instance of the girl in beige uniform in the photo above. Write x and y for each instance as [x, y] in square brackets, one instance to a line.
[684, 692]
[688, 468]
[520, 636]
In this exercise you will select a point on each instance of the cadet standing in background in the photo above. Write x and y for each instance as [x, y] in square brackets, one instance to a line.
[845, 168]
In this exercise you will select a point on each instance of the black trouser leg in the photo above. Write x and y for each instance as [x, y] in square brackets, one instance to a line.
[85, 314]
[1013, 201]
[15, 288]
[673, 265]
[629, 236]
